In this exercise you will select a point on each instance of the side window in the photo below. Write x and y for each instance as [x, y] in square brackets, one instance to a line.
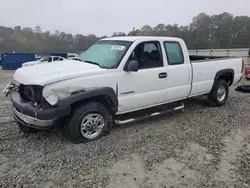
[148, 55]
[56, 58]
[174, 53]
[149, 47]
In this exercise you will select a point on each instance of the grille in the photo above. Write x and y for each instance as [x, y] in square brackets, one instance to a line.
[31, 93]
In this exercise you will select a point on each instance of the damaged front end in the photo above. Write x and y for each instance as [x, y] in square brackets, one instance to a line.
[31, 109]
[31, 93]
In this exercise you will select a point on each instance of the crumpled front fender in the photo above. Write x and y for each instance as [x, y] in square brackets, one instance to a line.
[58, 91]
[67, 94]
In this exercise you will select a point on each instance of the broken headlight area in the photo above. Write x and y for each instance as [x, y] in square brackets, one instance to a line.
[32, 93]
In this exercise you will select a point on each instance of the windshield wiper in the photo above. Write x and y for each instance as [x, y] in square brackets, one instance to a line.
[94, 63]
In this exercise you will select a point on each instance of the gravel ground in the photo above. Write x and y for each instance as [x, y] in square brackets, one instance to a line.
[198, 147]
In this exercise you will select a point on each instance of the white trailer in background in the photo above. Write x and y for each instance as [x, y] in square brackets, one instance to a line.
[236, 52]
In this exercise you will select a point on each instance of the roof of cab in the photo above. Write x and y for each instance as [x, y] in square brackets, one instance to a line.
[134, 38]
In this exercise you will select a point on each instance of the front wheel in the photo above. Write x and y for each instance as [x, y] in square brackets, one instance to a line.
[219, 94]
[89, 122]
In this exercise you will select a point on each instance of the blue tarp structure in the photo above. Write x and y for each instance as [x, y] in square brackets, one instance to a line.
[0, 60]
[13, 61]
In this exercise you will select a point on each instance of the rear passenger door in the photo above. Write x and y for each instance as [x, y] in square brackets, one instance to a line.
[179, 71]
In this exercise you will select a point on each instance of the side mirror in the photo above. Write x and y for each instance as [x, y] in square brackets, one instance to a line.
[132, 66]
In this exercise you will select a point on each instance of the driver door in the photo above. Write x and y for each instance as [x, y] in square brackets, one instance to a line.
[148, 86]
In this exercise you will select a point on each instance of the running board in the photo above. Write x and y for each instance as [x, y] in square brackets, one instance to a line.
[144, 115]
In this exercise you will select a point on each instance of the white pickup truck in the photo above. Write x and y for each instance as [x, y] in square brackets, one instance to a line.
[119, 80]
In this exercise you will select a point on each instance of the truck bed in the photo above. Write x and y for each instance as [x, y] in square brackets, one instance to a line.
[205, 68]
[195, 59]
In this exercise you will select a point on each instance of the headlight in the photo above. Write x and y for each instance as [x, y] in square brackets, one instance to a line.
[52, 99]
[54, 96]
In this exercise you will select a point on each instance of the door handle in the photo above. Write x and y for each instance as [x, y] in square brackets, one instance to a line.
[163, 75]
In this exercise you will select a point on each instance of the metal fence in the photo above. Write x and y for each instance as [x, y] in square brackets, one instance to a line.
[237, 52]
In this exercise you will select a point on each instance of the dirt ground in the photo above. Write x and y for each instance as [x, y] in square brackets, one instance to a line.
[198, 147]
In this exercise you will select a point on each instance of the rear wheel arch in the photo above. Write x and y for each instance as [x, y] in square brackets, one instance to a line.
[225, 74]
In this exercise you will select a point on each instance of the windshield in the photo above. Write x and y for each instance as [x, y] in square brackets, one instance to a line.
[106, 53]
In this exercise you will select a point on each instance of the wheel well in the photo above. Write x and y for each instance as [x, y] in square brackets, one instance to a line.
[106, 100]
[228, 77]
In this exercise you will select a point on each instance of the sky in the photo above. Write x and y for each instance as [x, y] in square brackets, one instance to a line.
[103, 17]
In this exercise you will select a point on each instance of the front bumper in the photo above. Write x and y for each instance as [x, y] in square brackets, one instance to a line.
[33, 122]
[32, 116]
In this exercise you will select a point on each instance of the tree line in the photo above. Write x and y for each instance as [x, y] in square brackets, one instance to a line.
[205, 31]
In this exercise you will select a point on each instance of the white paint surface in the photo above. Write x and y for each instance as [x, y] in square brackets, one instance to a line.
[136, 90]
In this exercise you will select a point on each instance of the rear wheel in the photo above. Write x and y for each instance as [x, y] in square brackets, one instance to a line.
[219, 94]
[89, 122]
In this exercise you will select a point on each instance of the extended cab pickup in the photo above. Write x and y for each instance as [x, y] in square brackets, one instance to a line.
[119, 80]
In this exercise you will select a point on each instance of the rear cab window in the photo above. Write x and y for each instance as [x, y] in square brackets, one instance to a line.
[173, 52]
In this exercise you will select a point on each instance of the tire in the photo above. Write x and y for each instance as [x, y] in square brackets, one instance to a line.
[219, 94]
[25, 129]
[78, 125]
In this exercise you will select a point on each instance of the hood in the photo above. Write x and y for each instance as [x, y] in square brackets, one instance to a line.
[46, 73]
